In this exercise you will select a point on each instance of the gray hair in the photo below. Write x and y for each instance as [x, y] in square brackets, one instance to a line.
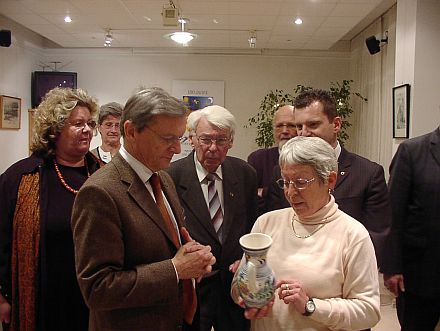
[312, 151]
[215, 115]
[145, 104]
[111, 108]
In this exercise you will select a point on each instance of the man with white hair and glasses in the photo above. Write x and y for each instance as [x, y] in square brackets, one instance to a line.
[218, 195]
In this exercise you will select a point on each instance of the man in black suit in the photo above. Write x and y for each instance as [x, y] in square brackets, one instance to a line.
[264, 160]
[360, 189]
[412, 268]
[217, 193]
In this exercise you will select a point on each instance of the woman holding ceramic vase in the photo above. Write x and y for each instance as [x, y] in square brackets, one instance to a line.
[323, 259]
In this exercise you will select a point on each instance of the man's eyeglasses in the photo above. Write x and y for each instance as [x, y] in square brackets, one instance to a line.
[299, 184]
[285, 125]
[171, 140]
[80, 125]
[208, 141]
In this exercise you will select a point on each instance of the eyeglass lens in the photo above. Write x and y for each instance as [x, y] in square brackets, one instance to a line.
[299, 184]
[169, 140]
[208, 141]
[81, 125]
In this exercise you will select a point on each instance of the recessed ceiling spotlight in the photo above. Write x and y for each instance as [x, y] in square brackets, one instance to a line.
[148, 18]
[298, 21]
[67, 19]
[215, 21]
[252, 39]
[108, 39]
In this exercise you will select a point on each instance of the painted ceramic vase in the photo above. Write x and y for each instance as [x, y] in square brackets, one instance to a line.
[255, 279]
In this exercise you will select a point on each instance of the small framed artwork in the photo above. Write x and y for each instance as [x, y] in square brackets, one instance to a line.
[10, 112]
[401, 111]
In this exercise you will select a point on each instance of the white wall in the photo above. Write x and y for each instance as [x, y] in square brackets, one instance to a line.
[417, 55]
[371, 133]
[17, 62]
[112, 75]
[426, 106]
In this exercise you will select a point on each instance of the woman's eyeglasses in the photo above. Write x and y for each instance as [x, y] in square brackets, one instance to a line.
[81, 125]
[299, 184]
[109, 125]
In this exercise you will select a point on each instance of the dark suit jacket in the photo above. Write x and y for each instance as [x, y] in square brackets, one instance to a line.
[240, 209]
[263, 161]
[414, 185]
[360, 191]
[123, 252]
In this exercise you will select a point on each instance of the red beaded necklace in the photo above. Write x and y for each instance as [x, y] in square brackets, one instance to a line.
[63, 181]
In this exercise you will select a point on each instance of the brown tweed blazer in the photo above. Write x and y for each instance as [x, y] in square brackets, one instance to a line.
[123, 252]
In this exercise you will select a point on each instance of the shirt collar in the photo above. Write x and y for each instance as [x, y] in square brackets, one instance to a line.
[338, 150]
[202, 172]
[105, 156]
[139, 168]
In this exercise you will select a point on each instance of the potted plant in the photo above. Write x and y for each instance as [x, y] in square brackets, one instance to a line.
[263, 119]
[341, 92]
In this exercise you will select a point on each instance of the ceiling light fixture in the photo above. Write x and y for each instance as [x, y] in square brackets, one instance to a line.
[67, 19]
[108, 38]
[298, 21]
[182, 37]
[252, 39]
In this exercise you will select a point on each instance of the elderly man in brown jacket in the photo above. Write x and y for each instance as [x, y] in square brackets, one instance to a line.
[135, 262]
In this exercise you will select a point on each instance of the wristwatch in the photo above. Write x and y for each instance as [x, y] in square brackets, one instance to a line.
[310, 307]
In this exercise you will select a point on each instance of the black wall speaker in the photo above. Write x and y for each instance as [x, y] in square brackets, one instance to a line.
[5, 38]
[373, 45]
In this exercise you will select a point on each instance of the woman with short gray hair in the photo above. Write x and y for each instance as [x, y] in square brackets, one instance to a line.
[313, 152]
[323, 259]
[109, 129]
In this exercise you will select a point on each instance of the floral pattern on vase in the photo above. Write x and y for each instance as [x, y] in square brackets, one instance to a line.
[255, 279]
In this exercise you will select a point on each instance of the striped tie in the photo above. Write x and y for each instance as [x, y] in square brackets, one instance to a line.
[215, 209]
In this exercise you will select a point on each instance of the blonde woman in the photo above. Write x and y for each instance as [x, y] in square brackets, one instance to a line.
[38, 285]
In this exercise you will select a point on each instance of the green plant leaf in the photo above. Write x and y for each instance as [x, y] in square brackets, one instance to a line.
[341, 91]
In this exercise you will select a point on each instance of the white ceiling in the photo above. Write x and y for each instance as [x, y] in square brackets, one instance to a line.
[138, 23]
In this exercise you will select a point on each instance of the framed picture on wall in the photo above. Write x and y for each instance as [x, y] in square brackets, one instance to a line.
[10, 112]
[401, 111]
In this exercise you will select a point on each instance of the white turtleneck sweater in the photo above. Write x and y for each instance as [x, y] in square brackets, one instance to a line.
[336, 265]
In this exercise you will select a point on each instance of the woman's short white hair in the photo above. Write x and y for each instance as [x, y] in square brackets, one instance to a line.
[312, 151]
[215, 115]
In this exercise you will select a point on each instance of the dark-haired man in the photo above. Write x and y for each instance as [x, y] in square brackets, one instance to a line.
[412, 271]
[360, 189]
